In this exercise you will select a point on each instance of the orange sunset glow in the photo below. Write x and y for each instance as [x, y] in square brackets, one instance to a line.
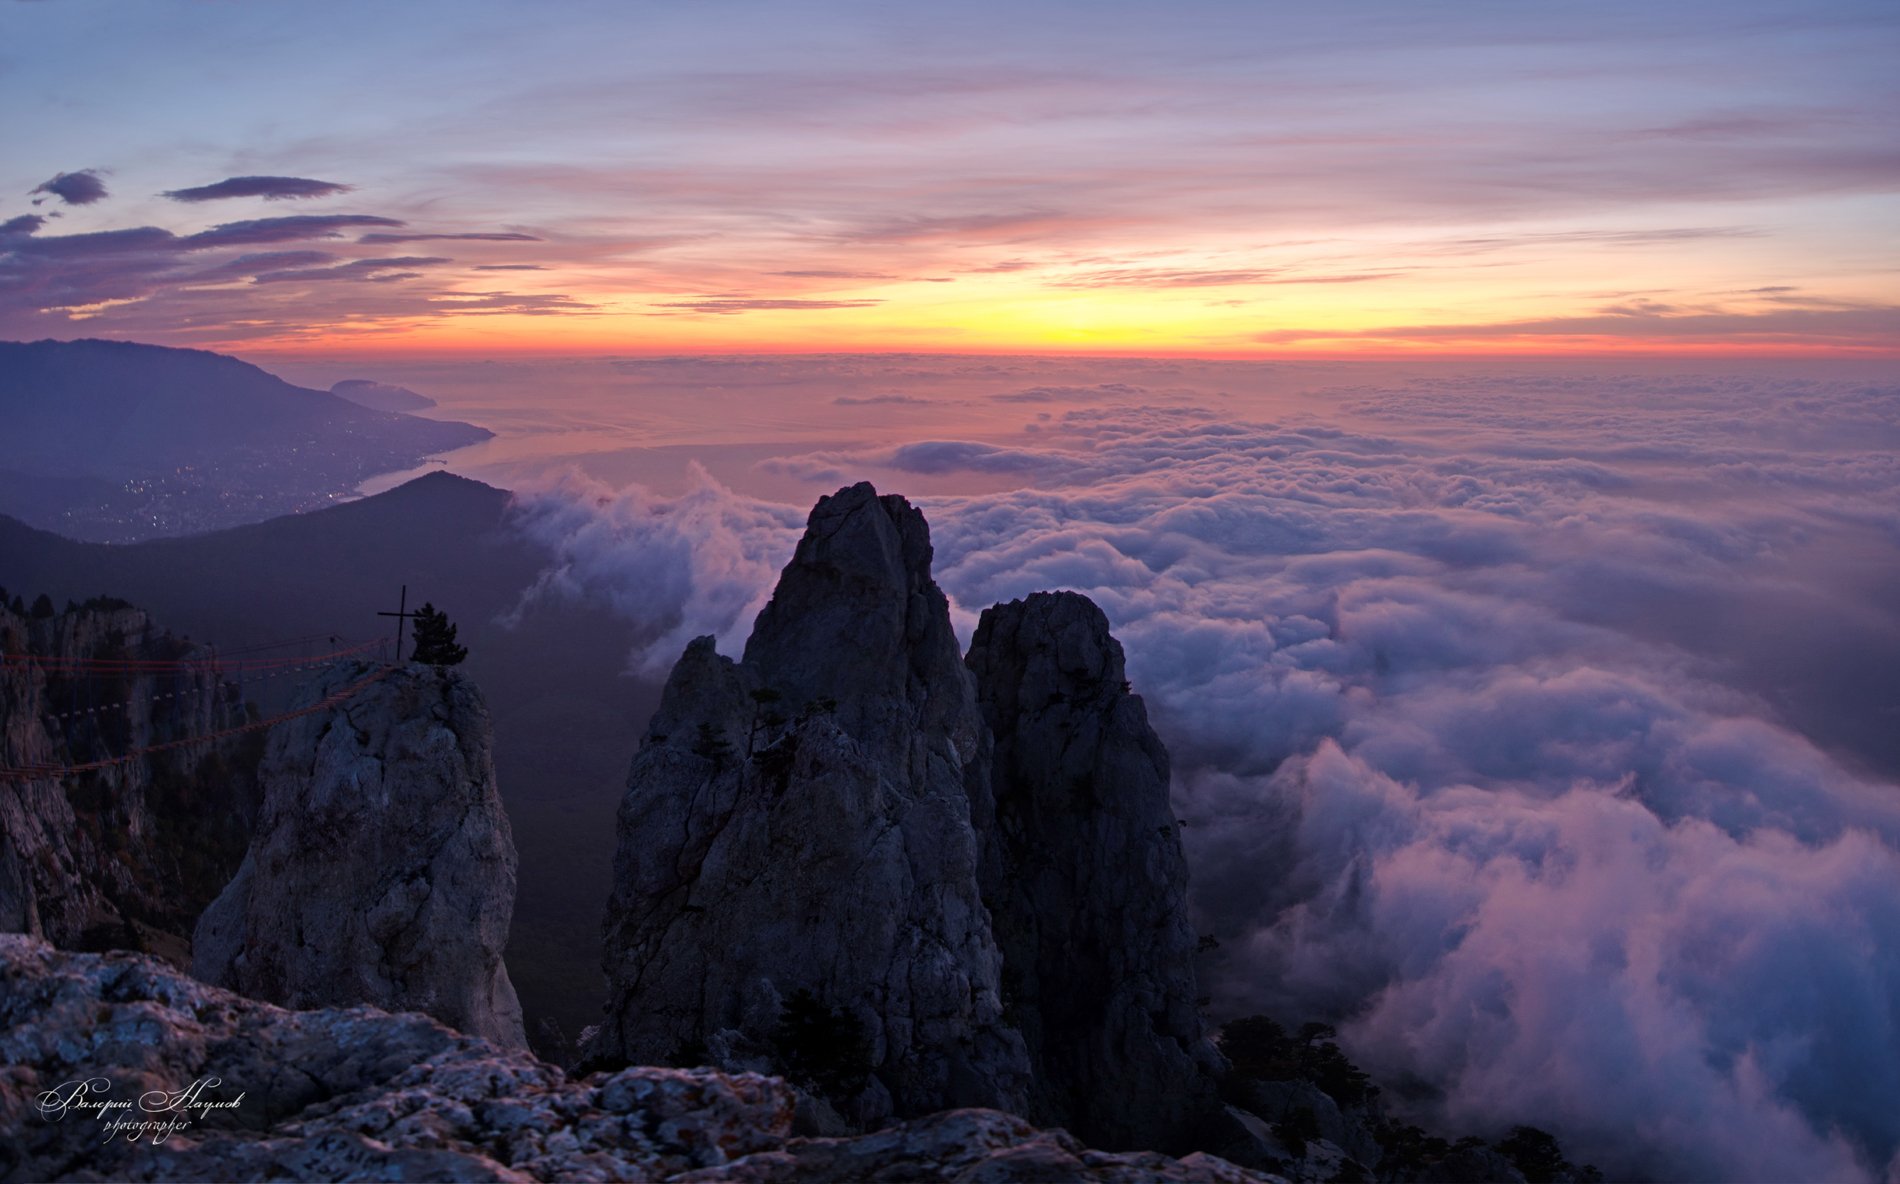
[1230, 184]
[827, 590]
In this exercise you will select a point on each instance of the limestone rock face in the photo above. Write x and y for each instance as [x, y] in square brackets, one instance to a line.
[801, 821]
[358, 1094]
[382, 870]
[128, 853]
[1086, 882]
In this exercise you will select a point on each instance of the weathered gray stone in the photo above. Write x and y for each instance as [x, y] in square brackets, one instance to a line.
[967, 1145]
[1086, 882]
[1349, 1129]
[801, 820]
[382, 870]
[359, 1094]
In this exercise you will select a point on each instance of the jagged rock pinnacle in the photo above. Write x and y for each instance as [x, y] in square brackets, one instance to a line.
[827, 816]
[857, 619]
[800, 821]
[382, 869]
[1086, 882]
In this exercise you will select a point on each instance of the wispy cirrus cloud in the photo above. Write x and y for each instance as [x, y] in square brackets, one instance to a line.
[1816, 321]
[1533, 144]
[1160, 277]
[147, 280]
[509, 303]
[728, 305]
[356, 269]
[268, 188]
[822, 274]
[1659, 236]
[260, 262]
[881, 401]
[467, 237]
[287, 229]
[997, 225]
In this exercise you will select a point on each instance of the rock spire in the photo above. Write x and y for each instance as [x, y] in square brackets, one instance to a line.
[799, 822]
[382, 869]
[1086, 882]
[960, 884]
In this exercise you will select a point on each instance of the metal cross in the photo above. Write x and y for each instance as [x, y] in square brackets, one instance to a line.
[402, 614]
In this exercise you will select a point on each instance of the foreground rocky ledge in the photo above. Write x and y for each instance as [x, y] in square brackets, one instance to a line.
[358, 1093]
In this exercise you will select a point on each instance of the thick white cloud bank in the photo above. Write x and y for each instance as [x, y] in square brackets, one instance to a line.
[1541, 732]
[680, 568]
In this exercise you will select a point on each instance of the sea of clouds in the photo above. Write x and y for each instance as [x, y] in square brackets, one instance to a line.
[1541, 731]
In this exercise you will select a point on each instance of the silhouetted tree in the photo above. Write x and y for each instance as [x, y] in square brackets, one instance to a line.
[435, 638]
[710, 743]
[43, 607]
[1258, 1047]
[1537, 1154]
[822, 1046]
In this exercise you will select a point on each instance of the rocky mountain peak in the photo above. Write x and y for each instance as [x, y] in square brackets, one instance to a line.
[818, 834]
[857, 620]
[799, 821]
[1049, 650]
[382, 868]
[1086, 882]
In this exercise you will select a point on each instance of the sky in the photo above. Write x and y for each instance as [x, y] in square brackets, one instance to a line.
[1218, 179]
[1533, 716]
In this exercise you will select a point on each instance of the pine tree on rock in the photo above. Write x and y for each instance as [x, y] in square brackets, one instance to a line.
[435, 638]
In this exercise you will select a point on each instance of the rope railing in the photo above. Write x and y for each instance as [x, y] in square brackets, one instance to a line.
[212, 662]
[165, 696]
[44, 772]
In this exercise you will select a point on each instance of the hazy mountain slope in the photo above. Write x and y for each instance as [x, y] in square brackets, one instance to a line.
[564, 716]
[183, 440]
[380, 396]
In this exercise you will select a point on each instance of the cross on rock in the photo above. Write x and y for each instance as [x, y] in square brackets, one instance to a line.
[402, 615]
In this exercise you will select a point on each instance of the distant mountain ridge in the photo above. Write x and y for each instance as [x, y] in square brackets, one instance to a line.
[380, 396]
[116, 441]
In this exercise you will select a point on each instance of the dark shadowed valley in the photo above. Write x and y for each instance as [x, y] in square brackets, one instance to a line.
[565, 712]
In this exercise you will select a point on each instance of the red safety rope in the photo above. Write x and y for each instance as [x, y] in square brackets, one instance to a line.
[209, 662]
[41, 772]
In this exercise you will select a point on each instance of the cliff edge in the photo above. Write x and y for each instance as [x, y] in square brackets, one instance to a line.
[250, 1091]
[1086, 882]
[382, 869]
[909, 882]
[795, 844]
